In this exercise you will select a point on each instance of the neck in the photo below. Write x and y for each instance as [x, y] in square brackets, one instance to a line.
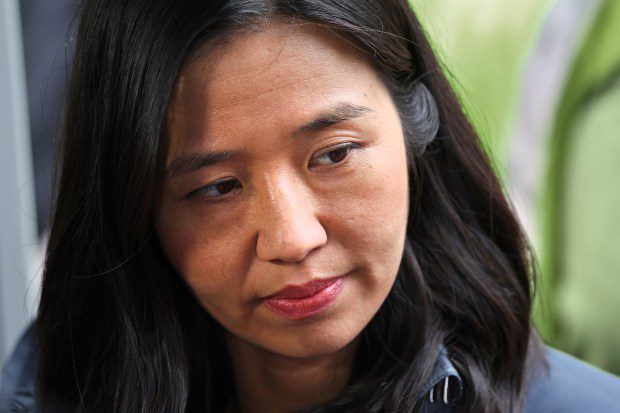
[269, 382]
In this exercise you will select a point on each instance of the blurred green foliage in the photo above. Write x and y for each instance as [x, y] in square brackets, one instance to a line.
[485, 46]
[581, 248]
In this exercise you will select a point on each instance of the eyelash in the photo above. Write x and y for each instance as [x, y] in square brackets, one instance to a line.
[348, 147]
[203, 191]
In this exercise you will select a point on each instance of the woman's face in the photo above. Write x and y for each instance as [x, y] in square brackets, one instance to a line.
[285, 165]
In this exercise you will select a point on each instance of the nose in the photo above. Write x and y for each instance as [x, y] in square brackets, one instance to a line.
[288, 228]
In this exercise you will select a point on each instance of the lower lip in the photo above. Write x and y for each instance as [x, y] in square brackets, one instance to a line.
[299, 308]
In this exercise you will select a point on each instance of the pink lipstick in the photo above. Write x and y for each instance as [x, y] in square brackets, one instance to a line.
[303, 301]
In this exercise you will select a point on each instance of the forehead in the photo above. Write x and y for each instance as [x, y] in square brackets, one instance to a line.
[274, 77]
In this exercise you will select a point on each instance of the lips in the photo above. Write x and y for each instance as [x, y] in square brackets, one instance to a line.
[303, 301]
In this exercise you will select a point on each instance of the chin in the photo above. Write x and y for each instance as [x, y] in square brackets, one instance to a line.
[319, 349]
[312, 343]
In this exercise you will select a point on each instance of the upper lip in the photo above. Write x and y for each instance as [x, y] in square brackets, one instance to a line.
[304, 290]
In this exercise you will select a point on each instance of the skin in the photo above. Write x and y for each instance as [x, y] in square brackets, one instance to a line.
[299, 200]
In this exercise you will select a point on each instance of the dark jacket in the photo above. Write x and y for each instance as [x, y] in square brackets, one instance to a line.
[569, 386]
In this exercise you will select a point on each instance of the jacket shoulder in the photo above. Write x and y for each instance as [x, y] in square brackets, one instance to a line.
[571, 385]
[17, 384]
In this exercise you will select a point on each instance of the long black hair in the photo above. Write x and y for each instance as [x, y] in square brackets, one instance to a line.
[119, 331]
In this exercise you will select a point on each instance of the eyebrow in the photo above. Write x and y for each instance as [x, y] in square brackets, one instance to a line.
[337, 114]
[195, 161]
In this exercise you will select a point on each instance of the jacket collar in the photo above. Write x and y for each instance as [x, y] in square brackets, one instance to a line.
[445, 385]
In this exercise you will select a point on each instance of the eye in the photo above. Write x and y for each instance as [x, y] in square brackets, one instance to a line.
[333, 155]
[216, 190]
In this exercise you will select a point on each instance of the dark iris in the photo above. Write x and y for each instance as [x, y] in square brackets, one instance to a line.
[227, 186]
[339, 154]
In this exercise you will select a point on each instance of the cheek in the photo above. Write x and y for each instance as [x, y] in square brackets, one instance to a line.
[380, 198]
[383, 216]
[204, 255]
[373, 213]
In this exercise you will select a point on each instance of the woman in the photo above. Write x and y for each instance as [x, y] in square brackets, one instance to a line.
[277, 206]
